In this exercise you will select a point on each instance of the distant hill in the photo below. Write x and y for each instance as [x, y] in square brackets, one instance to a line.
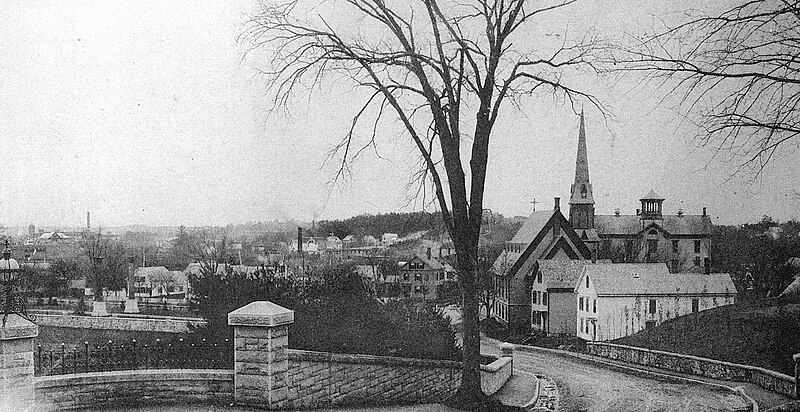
[764, 336]
[495, 229]
[376, 225]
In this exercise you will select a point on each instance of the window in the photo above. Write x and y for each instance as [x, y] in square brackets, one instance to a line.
[405, 277]
[534, 297]
[695, 305]
[544, 298]
[583, 191]
[426, 278]
[418, 277]
[582, 323]
[652, 246]
[594, 306]
[652, 306]
[580, 303]
[697, 260]
[696, 246]
[539, 278]
[674, 246]
[587, 281]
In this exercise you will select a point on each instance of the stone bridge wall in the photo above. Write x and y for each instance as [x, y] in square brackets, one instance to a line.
[767, 379]
[322, 380]
[146, 387]
[118, 323]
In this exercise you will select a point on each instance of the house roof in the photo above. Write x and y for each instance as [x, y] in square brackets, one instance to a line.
[150, 271]
[430, 264]
[672, 224]
[614, 279]
[53, 235]
[561, 274]
[793, 289]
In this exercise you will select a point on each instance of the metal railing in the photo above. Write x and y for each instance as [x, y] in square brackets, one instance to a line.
[133, 355]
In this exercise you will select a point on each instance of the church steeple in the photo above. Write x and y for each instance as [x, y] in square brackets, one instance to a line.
[581, 201]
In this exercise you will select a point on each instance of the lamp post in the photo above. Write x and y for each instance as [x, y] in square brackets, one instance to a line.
[9, 273]
[99, 308]
[16, 342]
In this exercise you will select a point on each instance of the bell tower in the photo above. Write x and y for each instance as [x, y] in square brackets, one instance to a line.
[581, 201]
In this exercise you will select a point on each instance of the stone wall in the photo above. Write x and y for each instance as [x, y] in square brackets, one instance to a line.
[147, 387]
[495, 375]
[321, 380]
[767, 379]
[119, 323]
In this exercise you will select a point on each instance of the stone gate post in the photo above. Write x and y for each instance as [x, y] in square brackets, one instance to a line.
[796, 358]
[16, 363]
[261, 338]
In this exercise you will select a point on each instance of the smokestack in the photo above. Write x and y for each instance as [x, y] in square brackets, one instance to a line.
[557, 205]
[704, 210]
[300, 240]
[88, 222]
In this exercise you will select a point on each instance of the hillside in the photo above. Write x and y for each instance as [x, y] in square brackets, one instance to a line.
[758, 335]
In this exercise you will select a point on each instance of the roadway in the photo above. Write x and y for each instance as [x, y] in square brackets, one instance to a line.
[586, 386]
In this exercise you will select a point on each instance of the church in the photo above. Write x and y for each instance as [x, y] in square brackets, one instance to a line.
[523, 299]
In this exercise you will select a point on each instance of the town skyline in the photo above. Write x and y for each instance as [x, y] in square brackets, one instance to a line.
[149, 115]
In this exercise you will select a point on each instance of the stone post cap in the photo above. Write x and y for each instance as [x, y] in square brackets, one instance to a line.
[261, 313]
[17, 327]
[506, 349]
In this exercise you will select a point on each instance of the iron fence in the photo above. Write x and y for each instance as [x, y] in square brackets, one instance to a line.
[133, 355]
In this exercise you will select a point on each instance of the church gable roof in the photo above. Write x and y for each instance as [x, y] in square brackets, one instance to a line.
[573, 247]
[532, 226]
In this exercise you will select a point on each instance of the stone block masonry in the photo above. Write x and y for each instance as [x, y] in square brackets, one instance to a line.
[147, 387]
[16, 363]
[260, 360]
[767, 379]
[138, 323]
[269, 375]
[322, 380]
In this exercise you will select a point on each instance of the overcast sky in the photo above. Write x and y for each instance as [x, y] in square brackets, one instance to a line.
[144, 113]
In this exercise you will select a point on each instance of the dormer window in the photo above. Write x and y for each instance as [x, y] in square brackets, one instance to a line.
[583, 191]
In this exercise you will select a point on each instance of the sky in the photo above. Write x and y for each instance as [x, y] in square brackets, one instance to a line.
[146, 112]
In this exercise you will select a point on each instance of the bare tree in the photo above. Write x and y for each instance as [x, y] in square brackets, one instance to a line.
[443, 69]
[736, 73]
[105, 261]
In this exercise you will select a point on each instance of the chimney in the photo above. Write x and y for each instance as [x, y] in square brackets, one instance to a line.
[616, 212]
[429, 253]
[704, 210]
[300, 240]
[557, 205]
[680, 212]
[707, 264]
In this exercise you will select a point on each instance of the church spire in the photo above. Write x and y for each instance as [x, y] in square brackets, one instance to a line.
[581, 199]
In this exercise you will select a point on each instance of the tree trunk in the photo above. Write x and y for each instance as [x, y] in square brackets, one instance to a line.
[469, 392]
